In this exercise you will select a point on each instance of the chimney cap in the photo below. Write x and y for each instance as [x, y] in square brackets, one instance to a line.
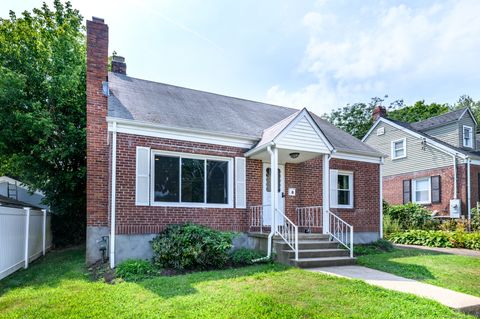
[97, 19]
[118, 58]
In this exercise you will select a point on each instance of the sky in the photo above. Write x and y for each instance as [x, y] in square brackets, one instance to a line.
[320, 54]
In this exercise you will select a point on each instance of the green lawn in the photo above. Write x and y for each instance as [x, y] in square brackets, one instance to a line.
[59, 287]
[460, 273]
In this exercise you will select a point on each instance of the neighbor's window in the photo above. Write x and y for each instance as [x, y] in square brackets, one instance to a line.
[421, 190]
[181, 179]
[341, 189]
[399, 149]
[467, 136]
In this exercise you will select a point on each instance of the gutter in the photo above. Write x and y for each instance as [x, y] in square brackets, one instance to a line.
[113, 195]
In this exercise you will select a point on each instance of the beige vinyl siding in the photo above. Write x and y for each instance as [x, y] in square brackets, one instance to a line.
[416, 159]
[467, 120]
[448, 133]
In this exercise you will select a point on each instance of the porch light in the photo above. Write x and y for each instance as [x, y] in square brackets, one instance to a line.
[294, 155]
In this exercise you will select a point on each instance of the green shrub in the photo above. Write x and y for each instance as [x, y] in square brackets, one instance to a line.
[438, 238]
[390, 225]
[380, 246]
[475, 220]
[135, 269]
[244, 256]
[191, 246]
[409, 216]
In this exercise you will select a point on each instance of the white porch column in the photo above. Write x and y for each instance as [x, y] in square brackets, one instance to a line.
[273, 186]
[326, 194]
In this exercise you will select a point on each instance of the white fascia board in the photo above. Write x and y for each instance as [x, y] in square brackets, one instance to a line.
[358, 158]
[190, 135]
[432, 143]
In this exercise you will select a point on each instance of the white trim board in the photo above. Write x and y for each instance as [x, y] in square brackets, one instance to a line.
[153, 130]
[357, 158]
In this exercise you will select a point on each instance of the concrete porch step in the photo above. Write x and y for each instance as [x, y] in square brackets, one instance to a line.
[322, 262]
[317, 253]
[309, 244]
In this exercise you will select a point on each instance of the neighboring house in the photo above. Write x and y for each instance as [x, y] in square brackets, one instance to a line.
[159, 154]
[434, 162]
[15, 190]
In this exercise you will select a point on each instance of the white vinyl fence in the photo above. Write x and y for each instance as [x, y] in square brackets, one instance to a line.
[25, 235]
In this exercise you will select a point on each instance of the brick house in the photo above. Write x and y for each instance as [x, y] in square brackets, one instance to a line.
[434, 162]
[159, 154]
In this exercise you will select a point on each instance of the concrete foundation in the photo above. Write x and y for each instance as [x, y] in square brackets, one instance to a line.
[133, 247]
[95, 234]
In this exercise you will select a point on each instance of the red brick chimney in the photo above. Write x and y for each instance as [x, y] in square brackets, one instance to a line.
[119, 65]
[97, 108]
[379, 111]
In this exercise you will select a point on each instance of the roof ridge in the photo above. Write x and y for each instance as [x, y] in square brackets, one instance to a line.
[201, 91]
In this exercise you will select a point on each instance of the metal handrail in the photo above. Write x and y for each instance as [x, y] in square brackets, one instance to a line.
[309, 217]
[341, 231]
[288, 232]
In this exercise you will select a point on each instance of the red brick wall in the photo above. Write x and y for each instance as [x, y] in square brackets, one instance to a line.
[393, 189]
[365, 216]
[132, 219]
[97, 148]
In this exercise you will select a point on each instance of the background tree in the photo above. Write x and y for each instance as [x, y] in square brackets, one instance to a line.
[42, 107]
[356, 119]
[418, 111]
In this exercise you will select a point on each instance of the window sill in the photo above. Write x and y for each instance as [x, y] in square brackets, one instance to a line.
[190, 205]
[397, 158]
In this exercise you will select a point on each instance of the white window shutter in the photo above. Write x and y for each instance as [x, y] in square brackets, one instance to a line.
[142, 183]
[333, 188]
[240, 182]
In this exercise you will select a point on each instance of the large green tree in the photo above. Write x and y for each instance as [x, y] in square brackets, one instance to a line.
[42, 107]
[418, 111]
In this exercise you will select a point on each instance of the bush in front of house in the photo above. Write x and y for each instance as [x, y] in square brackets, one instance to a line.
[191, 247]
[437, 238]
[245, 256]
[135, 269]
[409, 216]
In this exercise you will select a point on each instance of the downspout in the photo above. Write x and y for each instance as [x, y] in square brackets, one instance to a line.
[468, 189]
[381, 196]
[455, 192]
[272, 201]
[113, 195]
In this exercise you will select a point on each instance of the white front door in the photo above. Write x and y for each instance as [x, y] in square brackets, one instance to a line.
[267, 193]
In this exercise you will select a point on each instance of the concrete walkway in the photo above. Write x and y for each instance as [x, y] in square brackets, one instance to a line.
[452, 299]
[451, 251]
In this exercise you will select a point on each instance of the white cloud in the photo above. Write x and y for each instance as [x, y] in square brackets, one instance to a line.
[388, 47]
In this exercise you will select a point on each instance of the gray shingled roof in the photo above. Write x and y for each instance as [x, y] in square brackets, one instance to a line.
[173, 106]
[438, 120]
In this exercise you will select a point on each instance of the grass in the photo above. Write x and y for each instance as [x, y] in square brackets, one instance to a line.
[59, 287]
[454, 272]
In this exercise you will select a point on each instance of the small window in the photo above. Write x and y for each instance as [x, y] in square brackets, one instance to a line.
[341, 189]
[421, 190]
[399, 149]
[268, 182]
[467, 136]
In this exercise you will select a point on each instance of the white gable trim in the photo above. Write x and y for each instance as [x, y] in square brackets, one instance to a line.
[304, 114]
[432, 143]
[471, 115]
[190, 135]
